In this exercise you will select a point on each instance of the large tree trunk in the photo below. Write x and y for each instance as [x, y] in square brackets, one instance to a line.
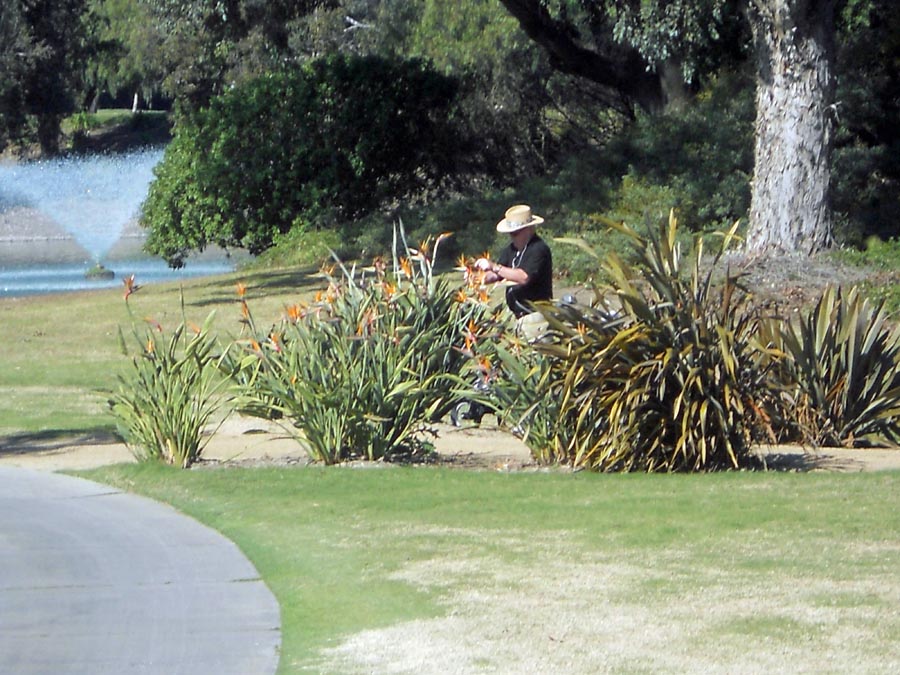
[790, 209]
[48, 132]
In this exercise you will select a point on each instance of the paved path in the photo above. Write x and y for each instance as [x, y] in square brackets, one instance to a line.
[96, 581]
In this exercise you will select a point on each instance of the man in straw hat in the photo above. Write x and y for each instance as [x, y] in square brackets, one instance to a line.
[526, 264]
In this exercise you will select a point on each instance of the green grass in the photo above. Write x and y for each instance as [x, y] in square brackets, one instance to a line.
[112, 119]
[61, 353]
[340, 547]
[883, 259]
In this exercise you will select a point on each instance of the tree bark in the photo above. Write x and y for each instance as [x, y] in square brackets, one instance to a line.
[48, 132]
[790, 210]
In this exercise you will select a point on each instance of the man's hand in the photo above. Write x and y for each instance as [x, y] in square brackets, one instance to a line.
[483, 264]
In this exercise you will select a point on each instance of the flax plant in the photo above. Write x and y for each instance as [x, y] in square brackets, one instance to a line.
[671, 380]
[842, 371]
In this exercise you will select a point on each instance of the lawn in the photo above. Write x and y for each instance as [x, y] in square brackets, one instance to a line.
[61, 353]
[435, 570]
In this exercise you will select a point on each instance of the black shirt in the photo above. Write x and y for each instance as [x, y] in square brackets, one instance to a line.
[537, 262]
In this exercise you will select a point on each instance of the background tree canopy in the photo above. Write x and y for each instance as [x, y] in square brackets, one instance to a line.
[654, 99]
[41, 45]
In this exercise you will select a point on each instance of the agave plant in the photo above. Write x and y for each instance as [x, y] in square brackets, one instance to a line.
[671, 378]
[842, 371]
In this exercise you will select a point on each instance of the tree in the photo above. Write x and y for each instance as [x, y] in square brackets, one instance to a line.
[526, 114]
[209, 45]
[39, 59]
[866, 168]
[15, 62]
[507, 86]
[790, 209]
[325, 143]
[51, 86]
[793, 46]
[125, 50]
[641, 53]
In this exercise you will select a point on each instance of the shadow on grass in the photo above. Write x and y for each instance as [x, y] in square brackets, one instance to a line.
[260, 284]
[55, 439]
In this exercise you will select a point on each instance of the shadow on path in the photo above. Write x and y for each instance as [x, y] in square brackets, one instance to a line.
[54, 439]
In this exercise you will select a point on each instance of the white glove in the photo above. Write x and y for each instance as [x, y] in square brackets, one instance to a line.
[483, 264]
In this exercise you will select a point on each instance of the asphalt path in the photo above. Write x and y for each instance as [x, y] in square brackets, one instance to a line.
[96, 581]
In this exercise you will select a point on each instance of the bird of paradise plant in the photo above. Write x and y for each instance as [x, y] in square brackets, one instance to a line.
[366, 375]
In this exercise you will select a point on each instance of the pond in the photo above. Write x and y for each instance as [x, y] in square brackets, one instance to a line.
[59, 218]
[17, 281]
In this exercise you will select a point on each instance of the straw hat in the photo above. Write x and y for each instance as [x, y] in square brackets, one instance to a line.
[517, 218]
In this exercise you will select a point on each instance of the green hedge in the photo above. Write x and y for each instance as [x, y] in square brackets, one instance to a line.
[330, 141]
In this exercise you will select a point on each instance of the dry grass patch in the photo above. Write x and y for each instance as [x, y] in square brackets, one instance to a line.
[520, 604]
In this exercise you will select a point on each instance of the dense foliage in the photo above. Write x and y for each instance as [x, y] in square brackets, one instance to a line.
[363, 370]
[523, 95]
[518, 107]
[702, 154]
[41, 46]
[206, 46]
[867, 153]
[124, 52]
[13, 71]
[328, 142]
[171, 393]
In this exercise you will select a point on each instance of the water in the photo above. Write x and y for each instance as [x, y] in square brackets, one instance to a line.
[60, 217]
[54, 278]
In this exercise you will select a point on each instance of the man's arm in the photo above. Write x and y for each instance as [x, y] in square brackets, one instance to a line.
[496, 272]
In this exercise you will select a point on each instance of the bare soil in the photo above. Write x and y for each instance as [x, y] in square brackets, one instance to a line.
[244, 441]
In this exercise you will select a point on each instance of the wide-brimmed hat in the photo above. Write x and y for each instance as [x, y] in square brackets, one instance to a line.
[517, 218]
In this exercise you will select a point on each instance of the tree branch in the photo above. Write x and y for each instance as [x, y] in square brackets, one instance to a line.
[629, 76]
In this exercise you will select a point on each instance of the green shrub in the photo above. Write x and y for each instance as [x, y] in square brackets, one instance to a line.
[638, 200]
[842, 371]
[365, 368]
[301, 246]
[702, 154]
[327, 142]
[171, 394]
[876, 253]
[662, 374]
[865, 166]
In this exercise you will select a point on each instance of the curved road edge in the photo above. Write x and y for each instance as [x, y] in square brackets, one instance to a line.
[95, 580]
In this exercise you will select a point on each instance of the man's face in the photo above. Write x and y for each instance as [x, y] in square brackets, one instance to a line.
[521, 237]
